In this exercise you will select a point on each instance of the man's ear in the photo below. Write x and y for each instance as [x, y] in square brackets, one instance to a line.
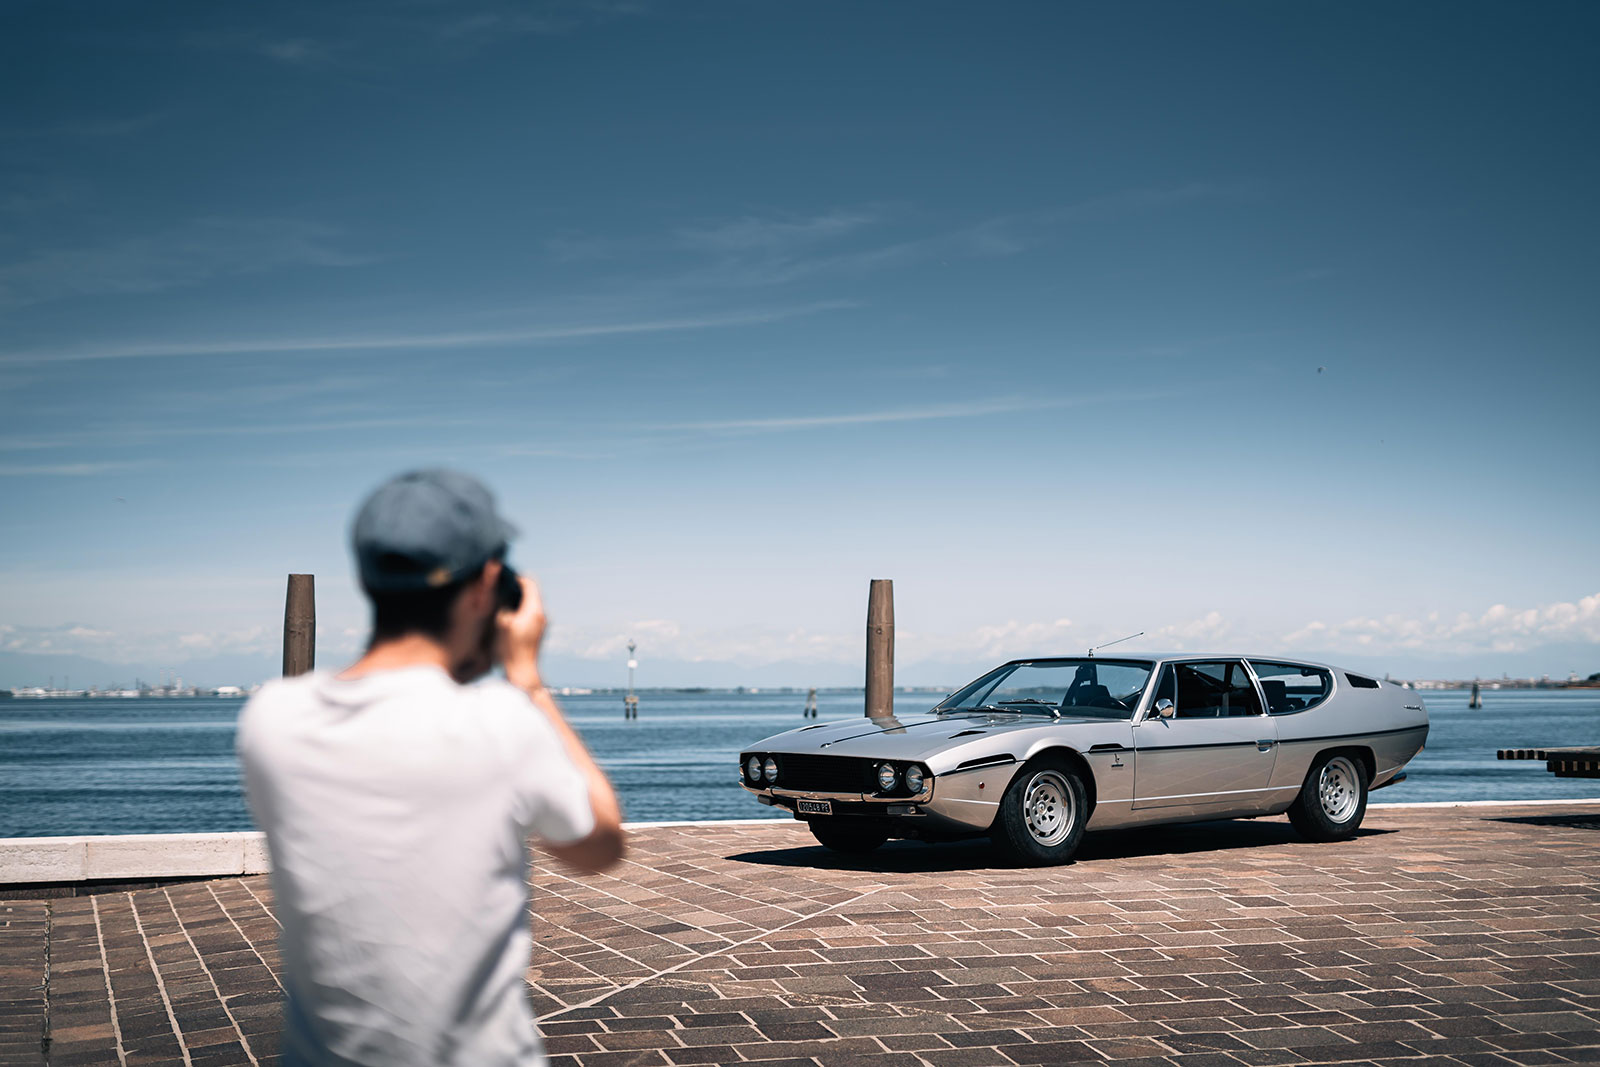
[484, 584]
[478, 594]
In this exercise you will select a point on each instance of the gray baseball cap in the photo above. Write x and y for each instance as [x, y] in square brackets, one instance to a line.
[427, 529]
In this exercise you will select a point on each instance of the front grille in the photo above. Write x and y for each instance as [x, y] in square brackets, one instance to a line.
[826, 774]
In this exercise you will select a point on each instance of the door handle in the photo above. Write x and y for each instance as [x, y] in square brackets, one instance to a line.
[1264, 745]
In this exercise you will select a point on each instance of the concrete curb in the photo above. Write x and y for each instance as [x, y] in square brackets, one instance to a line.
[113, 857]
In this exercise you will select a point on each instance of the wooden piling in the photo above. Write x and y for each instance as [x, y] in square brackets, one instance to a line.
[300, 625]
[880, 647]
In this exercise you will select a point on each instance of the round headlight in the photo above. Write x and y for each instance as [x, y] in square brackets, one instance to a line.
[914, 779]
[770, 769]
[752, 769]
[886, 777]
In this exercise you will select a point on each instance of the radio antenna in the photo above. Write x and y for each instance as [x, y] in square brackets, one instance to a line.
[1118, 641]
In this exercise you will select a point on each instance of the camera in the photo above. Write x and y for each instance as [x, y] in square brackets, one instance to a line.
[508, 589]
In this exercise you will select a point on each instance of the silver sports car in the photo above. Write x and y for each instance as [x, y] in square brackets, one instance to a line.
[1039, 750]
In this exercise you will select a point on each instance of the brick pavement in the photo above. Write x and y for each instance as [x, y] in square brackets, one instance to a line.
[1439, 936]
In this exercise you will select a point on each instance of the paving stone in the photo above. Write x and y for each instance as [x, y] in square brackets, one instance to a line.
[1453, 936]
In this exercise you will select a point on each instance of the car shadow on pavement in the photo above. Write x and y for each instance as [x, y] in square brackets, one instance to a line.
[1571, 822]
[914, 857]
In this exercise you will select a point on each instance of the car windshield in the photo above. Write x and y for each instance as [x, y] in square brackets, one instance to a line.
[1076, 688]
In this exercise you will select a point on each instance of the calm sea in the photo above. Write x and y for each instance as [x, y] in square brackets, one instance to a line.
[167, 766]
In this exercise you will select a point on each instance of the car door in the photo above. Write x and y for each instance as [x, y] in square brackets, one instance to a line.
[1215, 753]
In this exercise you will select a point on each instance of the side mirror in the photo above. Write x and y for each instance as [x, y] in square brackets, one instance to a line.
[1165, 708]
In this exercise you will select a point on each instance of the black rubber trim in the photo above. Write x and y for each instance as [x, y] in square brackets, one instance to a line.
[1352, 737]
[986, 761]
[1283, 740]
[1188, 748]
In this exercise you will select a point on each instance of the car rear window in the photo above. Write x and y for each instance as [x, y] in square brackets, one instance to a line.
[1291, 687]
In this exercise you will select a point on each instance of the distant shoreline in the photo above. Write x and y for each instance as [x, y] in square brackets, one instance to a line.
[242, 692]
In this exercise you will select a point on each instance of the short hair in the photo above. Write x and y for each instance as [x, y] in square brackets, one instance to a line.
[398, 612]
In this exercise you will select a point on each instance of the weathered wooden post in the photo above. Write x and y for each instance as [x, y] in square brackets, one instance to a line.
[300, 625]
[880, 647]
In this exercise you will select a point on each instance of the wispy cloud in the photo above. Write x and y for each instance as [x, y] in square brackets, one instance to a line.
[67, 470]
[185, 255]
[392, 342]
[377, 35]
[1499, 629]
[779, 249]
[298, 52]
[128, 435]
[968, 410]
[752, 233]
[172, 647]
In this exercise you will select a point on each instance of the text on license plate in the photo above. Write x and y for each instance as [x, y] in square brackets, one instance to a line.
[814, 807]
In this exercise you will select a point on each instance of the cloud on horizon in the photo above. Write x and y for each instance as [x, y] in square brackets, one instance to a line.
[1498, 630]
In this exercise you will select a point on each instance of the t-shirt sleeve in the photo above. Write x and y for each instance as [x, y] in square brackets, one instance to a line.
[552, 793]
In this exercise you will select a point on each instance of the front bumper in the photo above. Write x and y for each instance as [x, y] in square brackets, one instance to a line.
[852, 803]
[950, 805]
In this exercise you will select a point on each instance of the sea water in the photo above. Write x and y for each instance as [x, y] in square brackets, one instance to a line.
[150, 765]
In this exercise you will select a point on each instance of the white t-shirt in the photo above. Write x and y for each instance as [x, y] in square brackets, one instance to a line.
[397, 807]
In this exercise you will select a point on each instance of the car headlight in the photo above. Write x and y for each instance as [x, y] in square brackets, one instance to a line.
[914, 779]
[770, 769]
[886, 777]
[752, 769]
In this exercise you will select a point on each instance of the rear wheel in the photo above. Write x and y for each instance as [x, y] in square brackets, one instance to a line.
[845, 835]
[1042, 814]
[1333, 800]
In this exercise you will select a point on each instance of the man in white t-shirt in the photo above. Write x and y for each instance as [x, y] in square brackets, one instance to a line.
[397, 799]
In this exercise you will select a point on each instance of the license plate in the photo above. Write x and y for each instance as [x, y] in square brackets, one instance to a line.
[814, 807]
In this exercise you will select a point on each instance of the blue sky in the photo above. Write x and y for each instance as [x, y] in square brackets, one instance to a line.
[1241, 324]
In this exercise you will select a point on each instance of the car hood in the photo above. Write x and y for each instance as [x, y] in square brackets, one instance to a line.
[907, 737]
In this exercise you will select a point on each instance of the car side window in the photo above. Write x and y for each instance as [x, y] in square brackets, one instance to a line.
[1214, 690]
[1167, 688]
[1291, 687]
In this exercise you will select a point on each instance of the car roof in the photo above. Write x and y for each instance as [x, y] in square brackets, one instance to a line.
[1157, 657]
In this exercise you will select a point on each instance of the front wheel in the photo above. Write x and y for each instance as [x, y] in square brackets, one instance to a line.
[842, 835]
[1333, 800]
[1042, 814]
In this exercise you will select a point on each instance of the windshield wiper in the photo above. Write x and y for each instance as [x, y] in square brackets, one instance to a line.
[1031, 701]
[999, 707]
[1055, 712]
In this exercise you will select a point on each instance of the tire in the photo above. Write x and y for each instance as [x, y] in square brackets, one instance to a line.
[1042, 814]
[1333, 800]
[845, 835]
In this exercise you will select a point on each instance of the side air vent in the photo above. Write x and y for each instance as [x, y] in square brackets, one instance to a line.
[986, 761]
[967, 733]
[1361, 681]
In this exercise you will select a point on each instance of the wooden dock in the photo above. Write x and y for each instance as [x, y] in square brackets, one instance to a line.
[1561, 762]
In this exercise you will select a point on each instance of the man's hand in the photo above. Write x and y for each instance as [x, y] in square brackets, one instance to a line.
[519, 636]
